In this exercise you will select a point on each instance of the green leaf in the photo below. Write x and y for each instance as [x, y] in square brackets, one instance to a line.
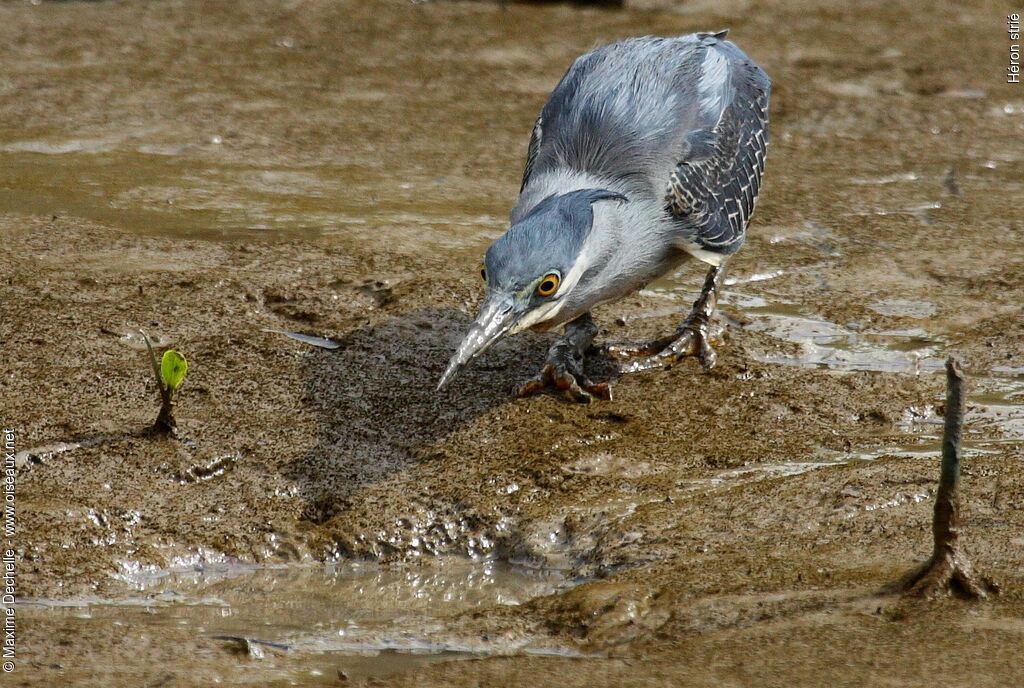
[173, 368]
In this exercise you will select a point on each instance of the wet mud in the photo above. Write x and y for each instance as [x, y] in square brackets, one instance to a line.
[209, 173]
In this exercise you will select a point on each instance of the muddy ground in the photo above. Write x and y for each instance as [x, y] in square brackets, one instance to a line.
[210, 171]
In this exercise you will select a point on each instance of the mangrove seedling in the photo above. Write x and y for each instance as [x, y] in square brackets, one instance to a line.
[169, 374]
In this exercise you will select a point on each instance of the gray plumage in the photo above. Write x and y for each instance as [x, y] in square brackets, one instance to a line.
[557, 227]
[667, 137]
[684, 119]
[678, 123]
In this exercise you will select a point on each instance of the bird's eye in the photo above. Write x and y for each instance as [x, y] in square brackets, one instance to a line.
[548, 285]
[483, 272]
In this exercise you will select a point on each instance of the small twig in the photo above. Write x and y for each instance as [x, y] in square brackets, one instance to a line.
[165, 422]
[152, 359]
[947, 570]
[252, 646]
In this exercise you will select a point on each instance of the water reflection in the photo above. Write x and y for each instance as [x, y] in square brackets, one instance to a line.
[312, 620]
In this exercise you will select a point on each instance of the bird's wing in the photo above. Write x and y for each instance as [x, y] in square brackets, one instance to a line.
[714, 186]
[635, 113]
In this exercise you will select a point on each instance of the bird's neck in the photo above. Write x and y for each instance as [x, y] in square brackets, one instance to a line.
[556, 182]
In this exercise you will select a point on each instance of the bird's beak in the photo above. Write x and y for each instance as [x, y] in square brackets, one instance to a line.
[497, 316]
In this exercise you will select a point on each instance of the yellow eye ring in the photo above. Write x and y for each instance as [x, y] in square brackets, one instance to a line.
[548, 285]
[483, 272]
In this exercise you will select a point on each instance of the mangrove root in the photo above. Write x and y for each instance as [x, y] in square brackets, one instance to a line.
[947, 571]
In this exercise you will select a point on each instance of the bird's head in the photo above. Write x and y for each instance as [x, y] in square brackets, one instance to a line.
[530, 271]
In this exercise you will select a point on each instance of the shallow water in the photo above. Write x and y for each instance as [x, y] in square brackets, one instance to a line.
[305, 624]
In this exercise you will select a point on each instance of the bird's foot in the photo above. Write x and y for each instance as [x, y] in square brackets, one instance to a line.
[564, 371]
[694, 338]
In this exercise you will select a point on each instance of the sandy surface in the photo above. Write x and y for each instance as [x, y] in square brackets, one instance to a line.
[337, 168]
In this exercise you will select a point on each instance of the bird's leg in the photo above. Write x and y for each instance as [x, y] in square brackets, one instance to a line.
[693, 338]
[564, 366]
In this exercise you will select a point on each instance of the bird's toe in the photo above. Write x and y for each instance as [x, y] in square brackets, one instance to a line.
[536, 384]
[693, 339]
[582, 390]
[566, 375]
[625, 352]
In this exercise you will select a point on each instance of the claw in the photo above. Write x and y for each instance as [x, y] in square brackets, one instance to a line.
[564, 367]
[693, 339]
[705, 353]
[564, 374]
[582, 390]
[534, 385]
